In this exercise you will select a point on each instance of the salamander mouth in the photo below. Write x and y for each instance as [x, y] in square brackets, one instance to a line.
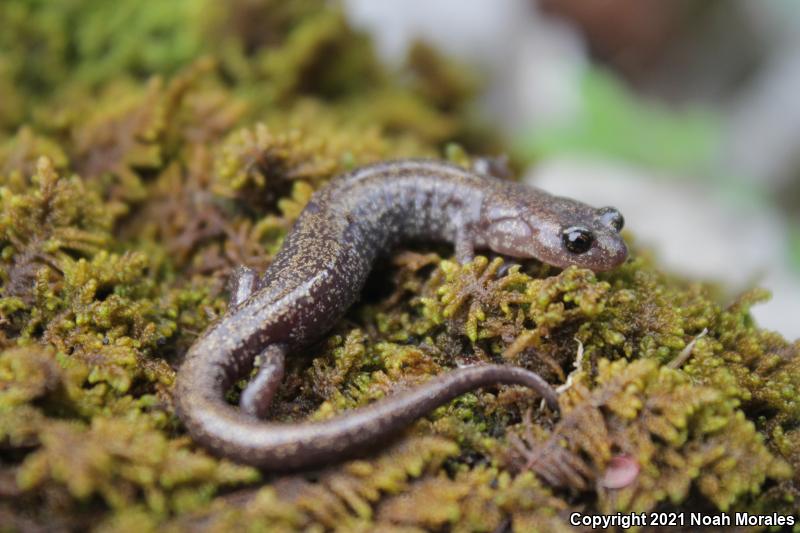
[610, 259]
[598, 258]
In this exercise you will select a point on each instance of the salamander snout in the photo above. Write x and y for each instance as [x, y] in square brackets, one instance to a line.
[579, 239]
[597, 251]
[562, 233]
[598, 239]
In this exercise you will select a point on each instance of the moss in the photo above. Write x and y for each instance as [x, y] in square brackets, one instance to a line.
[682, 436]
[134, 175]
[342, 497]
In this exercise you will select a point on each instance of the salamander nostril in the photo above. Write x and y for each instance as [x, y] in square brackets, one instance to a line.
[577, 240]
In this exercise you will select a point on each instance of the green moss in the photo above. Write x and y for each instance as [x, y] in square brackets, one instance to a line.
[341, 497]
[124, 460]
[144, 171]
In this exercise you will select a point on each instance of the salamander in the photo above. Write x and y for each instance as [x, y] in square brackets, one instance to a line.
[319, 272]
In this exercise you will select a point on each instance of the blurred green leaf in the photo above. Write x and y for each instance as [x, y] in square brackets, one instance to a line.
[794, 246]
[615, 122]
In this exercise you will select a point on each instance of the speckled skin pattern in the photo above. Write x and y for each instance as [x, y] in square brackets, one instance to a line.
[319, 273]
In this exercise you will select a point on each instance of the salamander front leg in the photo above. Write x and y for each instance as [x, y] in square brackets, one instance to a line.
[257, 397]
[465, 249]
[242, 284]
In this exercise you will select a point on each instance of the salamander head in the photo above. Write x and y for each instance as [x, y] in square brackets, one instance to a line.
[523, 222]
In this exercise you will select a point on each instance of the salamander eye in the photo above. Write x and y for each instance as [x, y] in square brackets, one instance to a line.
[611, 217]
[577, 240]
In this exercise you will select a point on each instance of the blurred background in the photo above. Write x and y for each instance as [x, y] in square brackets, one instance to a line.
[682, 114]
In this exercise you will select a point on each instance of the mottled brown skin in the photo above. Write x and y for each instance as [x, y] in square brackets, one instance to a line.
[319, 273]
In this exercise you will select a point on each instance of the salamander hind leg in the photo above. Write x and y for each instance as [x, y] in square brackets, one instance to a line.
[495, 166]
[242, 284]
[257, 397]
